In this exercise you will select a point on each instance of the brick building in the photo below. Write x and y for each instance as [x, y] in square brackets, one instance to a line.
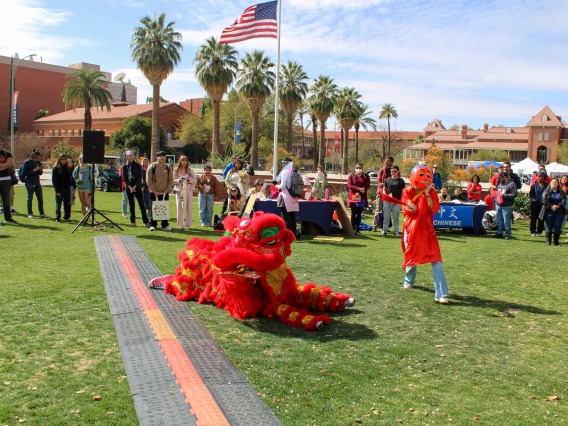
[69, 124]
[40, 87]
[538, 140]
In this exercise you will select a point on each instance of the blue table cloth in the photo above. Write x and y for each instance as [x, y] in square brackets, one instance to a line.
[318, 212]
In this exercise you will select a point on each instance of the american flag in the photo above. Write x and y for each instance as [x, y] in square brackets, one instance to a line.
[256, 21]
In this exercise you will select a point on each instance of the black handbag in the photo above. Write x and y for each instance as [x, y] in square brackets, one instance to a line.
[13, 180]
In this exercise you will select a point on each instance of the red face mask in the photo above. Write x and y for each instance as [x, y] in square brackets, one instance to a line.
[420, 177]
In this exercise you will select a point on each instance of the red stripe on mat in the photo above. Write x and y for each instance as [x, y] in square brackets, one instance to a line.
[144, 298]
[202, 403]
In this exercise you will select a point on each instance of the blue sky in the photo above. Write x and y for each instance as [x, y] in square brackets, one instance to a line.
[463, 62]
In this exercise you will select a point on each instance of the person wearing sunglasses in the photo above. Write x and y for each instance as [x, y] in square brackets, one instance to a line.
[393, 186]
[236, 200]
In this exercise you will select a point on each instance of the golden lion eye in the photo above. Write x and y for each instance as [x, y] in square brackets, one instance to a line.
[428, 176]
[421, 174]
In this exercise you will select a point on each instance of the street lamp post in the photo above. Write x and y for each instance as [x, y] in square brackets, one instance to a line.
[12, 75]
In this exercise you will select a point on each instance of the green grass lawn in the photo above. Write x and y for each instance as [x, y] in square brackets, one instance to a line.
[496, 355]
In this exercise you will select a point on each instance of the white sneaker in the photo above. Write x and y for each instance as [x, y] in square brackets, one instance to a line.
[442, 300]
[152, 228]
[30, 216]
[406, 285]
[383, 233]
[349, 303]
[180, 228]
[158, 282]
[167, 229]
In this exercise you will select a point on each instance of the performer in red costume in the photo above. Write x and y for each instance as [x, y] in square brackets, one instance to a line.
[419, 242]
[246, 273]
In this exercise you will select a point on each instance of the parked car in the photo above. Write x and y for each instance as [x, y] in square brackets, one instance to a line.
[108, 178]
[372, 173]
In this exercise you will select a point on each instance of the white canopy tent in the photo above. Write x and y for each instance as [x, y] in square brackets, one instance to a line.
[556, 169]
[522, 167]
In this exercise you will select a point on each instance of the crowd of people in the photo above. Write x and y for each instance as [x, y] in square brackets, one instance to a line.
[144, 183]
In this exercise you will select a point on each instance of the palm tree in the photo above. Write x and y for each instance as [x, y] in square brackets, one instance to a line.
[362, 119]
[156, 50]
[216, 67]
[388, 111]
[293, 90]
[346, 106]
[255, 84]
[87, 89]
[322, 101]
[313, 121]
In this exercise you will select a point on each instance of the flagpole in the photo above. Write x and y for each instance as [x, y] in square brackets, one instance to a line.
[277, 98]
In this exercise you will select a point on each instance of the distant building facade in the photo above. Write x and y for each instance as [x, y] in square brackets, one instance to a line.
[70, 124]
[538, 140]
[40, 87]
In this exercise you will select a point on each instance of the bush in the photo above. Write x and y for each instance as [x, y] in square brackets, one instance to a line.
[522, 204]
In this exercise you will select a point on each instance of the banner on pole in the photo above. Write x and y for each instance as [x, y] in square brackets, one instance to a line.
[15, 108]
[336, 143]
[238, 133]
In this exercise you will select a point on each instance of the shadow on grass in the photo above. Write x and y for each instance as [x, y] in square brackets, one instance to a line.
[31, 226]
[507, 308]
[337, 330]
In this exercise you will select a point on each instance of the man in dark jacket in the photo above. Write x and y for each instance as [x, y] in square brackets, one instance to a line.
[132, 176]
[31, 171]
[506, 193]
[6, 166]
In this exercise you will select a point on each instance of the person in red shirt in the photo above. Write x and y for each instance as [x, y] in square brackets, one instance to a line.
[474, 189]
[534, 177]
[358, 184]
[495, 178]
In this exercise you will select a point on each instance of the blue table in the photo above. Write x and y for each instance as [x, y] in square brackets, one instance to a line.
[465, 216]
[318, 212]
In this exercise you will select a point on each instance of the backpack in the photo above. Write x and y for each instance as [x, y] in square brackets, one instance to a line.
[296, 185]
[21, 172]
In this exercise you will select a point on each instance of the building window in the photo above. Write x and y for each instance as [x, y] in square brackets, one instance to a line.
[545, 136]
[539, 136]
[52, 133]
[508, 130]
[544, 117]
[542, 155]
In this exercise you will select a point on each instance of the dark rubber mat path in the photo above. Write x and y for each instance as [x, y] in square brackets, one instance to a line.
[178, 374]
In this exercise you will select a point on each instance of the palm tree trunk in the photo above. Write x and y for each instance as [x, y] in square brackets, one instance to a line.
[315, 144]
[322, 146]
[345, 164]
[289, 120]
[356, 144]
[216, 126]
[88, 118]
[389, 127]
[155, 141]
[254, 145]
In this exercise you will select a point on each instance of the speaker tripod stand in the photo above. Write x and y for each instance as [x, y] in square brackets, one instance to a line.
[91, 213]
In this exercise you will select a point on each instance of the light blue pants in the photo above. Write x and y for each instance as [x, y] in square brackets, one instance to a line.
[124, 203]
[504, 219]
[440, 284]
[206, 203]
[391, 210]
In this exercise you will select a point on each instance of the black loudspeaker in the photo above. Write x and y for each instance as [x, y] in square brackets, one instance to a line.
[93, 146]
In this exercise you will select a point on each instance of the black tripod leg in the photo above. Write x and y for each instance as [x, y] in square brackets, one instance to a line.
[84, 220]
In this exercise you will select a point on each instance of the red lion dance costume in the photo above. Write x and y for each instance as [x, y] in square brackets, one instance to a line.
[245, 272]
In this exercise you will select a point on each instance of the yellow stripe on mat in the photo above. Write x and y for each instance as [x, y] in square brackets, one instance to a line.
[159, 324]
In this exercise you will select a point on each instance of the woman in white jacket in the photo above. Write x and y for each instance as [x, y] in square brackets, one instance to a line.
[184, 182]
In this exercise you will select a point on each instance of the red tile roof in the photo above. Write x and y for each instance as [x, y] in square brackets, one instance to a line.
[116, 113]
